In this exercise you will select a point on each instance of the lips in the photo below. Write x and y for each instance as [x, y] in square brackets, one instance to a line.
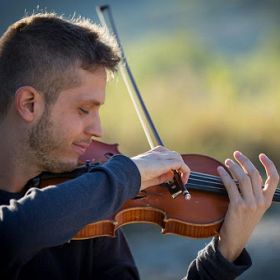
[80, 148]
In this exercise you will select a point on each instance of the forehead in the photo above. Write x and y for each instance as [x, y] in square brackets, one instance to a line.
[91, 87]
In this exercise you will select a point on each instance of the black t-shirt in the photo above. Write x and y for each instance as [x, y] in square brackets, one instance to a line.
[35, 229]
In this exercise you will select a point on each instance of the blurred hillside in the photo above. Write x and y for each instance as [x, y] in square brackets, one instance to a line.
[210, 82]
[208, 73]
[202, 102]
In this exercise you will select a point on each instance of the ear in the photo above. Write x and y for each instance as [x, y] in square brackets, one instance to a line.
[29, 103]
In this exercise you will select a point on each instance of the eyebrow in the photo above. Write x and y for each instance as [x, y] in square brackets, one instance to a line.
[92, 102]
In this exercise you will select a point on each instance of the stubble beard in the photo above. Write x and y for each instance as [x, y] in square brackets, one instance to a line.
[43, 143]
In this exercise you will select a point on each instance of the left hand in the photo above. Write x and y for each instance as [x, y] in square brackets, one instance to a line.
[248, 201]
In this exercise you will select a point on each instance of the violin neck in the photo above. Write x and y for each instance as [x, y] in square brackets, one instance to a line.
[213, 184]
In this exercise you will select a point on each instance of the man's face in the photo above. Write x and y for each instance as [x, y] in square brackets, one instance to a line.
[64, 131]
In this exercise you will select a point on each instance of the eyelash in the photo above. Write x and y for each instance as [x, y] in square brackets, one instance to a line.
[84, 111]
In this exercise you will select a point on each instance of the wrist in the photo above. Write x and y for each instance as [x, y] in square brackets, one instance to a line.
[228, 251]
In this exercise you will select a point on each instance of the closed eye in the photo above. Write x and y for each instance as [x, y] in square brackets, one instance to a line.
[84, 111]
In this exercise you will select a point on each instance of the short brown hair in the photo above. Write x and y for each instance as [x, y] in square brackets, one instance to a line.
[42, 50]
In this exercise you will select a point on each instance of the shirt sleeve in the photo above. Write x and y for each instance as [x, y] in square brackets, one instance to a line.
[51, 216]
[211, 265]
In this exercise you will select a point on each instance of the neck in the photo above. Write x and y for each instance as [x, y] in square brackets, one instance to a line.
[15, 166]
[14, 177]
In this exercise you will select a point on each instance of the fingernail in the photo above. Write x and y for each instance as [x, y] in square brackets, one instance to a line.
[228, 162]
[220, 169]
[237, 153]
[263, 156]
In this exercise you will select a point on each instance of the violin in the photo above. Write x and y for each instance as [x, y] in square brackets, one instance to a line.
[198, 217]
[196, 209]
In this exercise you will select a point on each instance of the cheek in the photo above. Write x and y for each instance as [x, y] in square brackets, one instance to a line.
[69, 127]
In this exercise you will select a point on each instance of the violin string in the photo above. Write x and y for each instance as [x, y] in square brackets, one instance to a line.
[205, 187]
[213, 178]
[205, 175]
[206, 182]
[217, 186]
[218, 183]
[217, 189]
[208, 177]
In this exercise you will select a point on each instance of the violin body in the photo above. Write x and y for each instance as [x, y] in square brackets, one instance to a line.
[199, 217]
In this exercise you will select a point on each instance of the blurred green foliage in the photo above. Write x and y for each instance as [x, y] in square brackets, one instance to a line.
[208, 72]
[200, 101]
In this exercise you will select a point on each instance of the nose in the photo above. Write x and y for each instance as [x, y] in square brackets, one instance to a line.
[94, 128]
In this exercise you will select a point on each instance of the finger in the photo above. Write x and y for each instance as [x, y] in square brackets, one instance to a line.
[229, 184]
[182, 168]
[245, 185]
[157, 180]
[160, 149]
[185, 177]
[174, 161]
[272, 176]
[252, 172]
[163, 154]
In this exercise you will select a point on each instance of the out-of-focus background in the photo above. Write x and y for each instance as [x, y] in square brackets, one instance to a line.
[209, 74]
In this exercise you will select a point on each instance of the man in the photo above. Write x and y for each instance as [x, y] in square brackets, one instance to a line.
[53, 76]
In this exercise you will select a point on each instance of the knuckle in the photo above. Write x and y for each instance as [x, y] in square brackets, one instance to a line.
[248, 206]
[261, 204]
[187, 169]
[177, 155]
[273, 179]
[260, 200]
[274, 173]
[229, 184]
[257, 205]
[244, 179]
[239, 204]
[253, 172]
[252, 208]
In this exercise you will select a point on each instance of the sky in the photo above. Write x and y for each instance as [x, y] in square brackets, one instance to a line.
[228, 26]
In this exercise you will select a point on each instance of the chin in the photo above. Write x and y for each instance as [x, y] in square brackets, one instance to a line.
[69, 166]
[61, 166]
